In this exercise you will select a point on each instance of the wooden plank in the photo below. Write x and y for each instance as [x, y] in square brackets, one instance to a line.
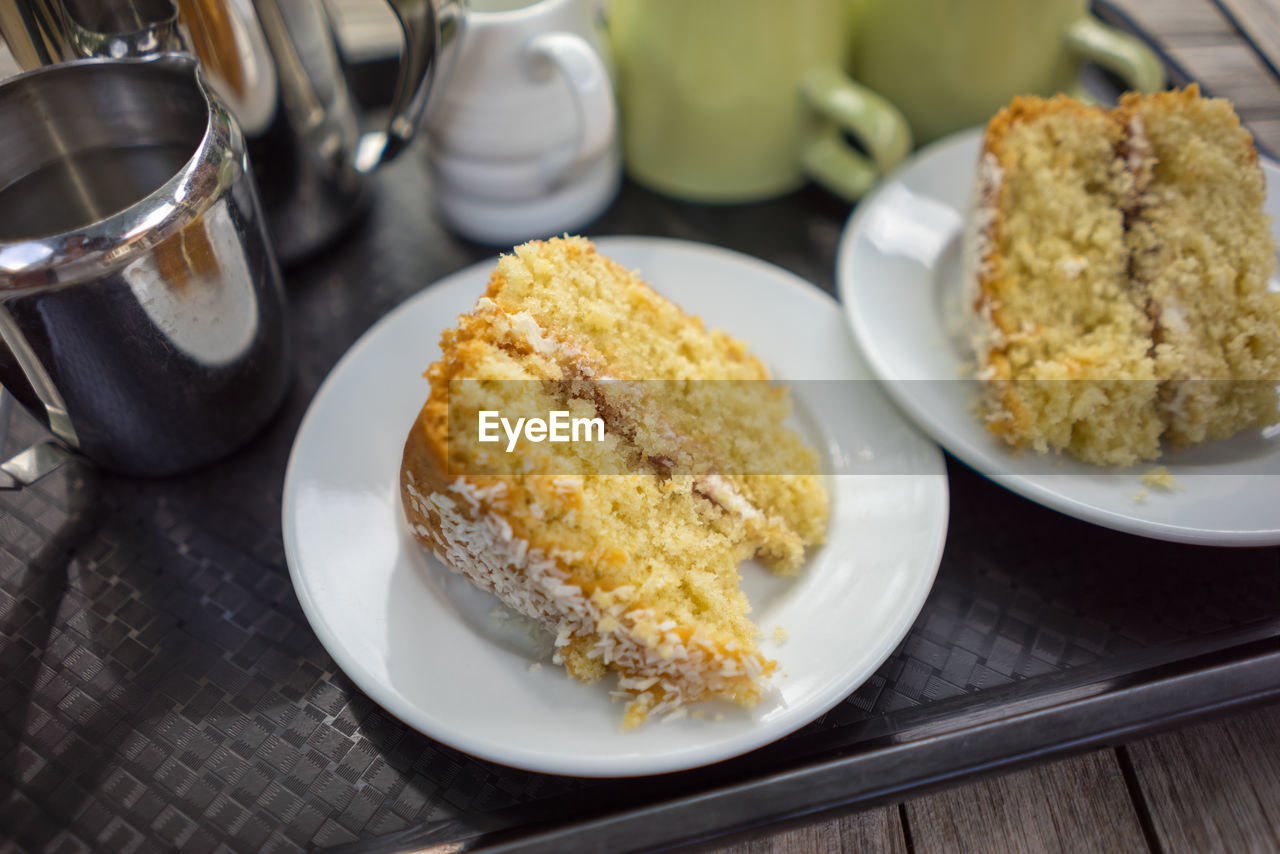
[1077, 804]
[1267, 133]
[1260, 21]
[1234, 71]
[1214, 787]
[1179, 22]
[8, 65]
[878, 830]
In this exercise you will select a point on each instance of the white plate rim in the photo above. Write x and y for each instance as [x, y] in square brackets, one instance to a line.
[929, 549]
[942, 426]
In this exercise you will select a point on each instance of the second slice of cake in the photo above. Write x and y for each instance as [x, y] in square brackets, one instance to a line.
[1118, 265]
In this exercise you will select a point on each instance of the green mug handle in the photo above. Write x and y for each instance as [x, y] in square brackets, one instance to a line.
[872, 120]
[1135, 63]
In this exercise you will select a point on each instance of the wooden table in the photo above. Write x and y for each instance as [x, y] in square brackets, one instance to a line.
[1211, 787]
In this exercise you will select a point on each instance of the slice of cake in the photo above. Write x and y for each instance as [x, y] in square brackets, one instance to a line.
[624, 543]
[1201, 253]
[1062, 338]
[1118, 265]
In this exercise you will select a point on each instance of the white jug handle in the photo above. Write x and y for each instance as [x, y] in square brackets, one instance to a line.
[588, 79]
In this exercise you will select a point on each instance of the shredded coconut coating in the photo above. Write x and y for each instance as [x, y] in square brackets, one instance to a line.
[661, 667]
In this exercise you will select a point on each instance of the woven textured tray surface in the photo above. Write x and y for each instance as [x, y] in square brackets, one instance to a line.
[160, 687]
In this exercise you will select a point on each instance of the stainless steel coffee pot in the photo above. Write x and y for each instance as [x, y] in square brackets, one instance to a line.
[142, 316]
[276, 64]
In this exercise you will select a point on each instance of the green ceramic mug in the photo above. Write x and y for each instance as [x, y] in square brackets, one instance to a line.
[952, 64]
[741, 100]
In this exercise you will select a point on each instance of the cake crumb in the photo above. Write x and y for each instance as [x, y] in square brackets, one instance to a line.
[780, 634]
[1161, 478]
[1140, 496]
[719, 716]
[535, 667]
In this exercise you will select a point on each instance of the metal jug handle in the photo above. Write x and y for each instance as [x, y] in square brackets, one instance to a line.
[430, 29]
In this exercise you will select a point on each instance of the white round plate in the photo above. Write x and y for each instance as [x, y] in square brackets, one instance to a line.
[437, 653]
[899, 275]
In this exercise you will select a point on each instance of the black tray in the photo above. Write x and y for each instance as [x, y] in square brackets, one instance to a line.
[160, 687]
